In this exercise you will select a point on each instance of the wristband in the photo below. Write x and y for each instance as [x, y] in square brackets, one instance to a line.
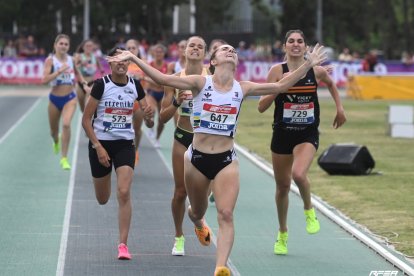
[175, 103]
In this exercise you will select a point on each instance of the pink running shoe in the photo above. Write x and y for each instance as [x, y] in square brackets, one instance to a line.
[123, 253]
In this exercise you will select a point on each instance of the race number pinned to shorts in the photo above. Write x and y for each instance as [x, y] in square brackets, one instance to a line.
[119, 118]
[221, 118]
[294, 113]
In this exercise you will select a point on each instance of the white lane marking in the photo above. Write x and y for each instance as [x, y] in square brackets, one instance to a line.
[60, 269]
[336, 219]
[7, 134]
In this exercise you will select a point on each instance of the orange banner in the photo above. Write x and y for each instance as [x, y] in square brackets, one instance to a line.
[390, 87]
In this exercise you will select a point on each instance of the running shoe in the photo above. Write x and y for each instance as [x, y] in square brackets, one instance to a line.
[203, 234]
[64, 163]
[312, 223]
[123, 253]
[56, 146]
[222, 271]
[157, 144]
[178, 249]
[280, 247]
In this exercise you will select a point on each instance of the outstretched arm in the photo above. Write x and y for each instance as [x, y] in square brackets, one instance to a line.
[315, 57]
[274, 75]
[193, 82]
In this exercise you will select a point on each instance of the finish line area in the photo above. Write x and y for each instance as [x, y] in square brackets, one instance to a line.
[51, 223]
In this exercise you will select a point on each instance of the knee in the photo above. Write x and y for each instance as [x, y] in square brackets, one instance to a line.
[225, 215]
[180, 194]
[66, 125]
[123, 194]
[194, 215]
[299, 176]
[283, 187]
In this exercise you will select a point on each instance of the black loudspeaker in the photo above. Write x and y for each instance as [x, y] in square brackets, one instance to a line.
[346, 159]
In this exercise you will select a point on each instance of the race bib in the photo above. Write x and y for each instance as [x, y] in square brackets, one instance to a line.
[186, 108]
[220, 118]
[65, 78]
[294, 113]
[117, 118]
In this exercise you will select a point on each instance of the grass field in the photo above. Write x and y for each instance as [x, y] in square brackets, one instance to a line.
[383, 202]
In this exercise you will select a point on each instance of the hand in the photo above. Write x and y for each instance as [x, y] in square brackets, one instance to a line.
[121, 55]
[87, 89]
[148, 111]
[148, 116]
[339, 120]
[329, 68]
[184, 95]
[103, 156]
[316, 56]
[64, 67]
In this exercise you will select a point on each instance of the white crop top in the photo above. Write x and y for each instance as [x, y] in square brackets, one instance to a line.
[217, 112]
[65, 78]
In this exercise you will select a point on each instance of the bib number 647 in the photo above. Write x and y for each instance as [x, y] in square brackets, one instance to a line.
[221, 118]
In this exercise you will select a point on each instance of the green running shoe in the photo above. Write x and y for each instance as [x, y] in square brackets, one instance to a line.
[178, 249]
[65, 164]
[280, 247]
[56, 146]
[312, 223]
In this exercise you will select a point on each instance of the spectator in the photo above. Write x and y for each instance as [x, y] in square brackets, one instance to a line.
[242, 52]
[10, 50]
[120, 42]
[369, 62]
[345, 56]
[407, 58]
[143, 48]
[29, 48]
[173, 50]
[356, 56]
[277, 51]
[20, 41]
[97, 51]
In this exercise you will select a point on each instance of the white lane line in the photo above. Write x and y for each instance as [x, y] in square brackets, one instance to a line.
[10, 131]
[60, 269]
[336, 219]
